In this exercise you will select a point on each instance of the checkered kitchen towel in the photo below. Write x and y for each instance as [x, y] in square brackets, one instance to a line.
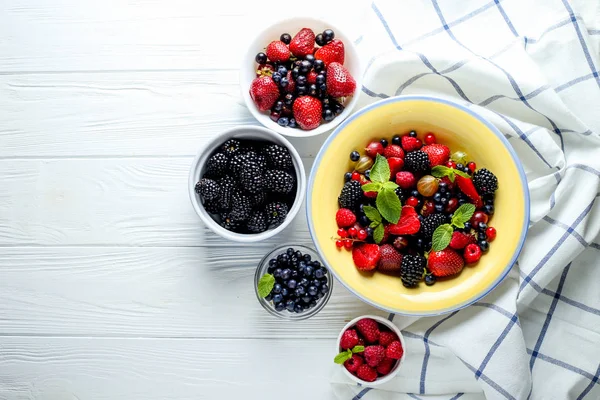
[532, 68]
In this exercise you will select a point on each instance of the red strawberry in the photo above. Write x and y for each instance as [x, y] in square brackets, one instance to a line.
[461, 239]
[386, 366]
[265, 69]
[394, 350]
[390, 261]
[406, 179]
[339, 81]
[374, 355]
[408, 224]
[365, 257]
[438, 153]
[472, 253]
[369, 329]
[264, 93]
[303, 43]
[331, 52]
[344, 218]
[307, 111]
[386, 234]
[393, 150]
[366, 373]
[311, 77]
[385, 338]
[277, 51]
[466, 186]
[445, 262]
[292, 83]
[410, 143]
[396, 164]
[349, 339]
[353, 363]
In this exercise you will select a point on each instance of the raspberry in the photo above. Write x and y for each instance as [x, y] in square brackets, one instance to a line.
[349, 339]
[345, 218]
[374, 355]
[386, 366]
[385, 338]
[366, 373]
[369, 329]
[354, 363]
[394, 350]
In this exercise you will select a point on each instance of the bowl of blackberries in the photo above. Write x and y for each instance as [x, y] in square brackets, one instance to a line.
[301, 77]
[247, 184]
[291, 283]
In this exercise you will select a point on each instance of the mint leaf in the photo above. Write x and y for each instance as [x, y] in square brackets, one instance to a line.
[378, 233]
[462, 215]
[459, 157]
[439, 171]
[371, 187]
[441, 237]
[463, 174]
[388, 205]
[390, 186]
[372, 214]
[358, 349]
[265, 285]
[380, 171]
[374, 224]
[342, 357]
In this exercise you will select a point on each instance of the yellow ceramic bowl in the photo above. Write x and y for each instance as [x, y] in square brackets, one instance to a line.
[457, 127]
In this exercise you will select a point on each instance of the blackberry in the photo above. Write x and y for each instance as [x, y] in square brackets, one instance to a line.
[278, 157]
[416, 161]
[231, 147]
[411, 269]
[430, 224]
[237, 163]
[258, 199]
[258, 160]
[241, 207]
[251, 179]
[278, 181]
[276, 213]
[207, 188]
[257, 222]
[229, 223]
[217, 165]
[485, 181]
[227, 187]
[212, 206]
[351, 195]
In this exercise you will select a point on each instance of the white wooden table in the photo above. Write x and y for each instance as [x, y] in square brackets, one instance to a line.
[110, 287]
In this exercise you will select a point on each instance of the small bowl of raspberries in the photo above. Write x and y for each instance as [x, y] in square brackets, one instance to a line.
[370, 350]
[247, 184]
[300, 77]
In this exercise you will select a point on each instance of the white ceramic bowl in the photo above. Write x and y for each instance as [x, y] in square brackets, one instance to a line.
[394, 370]
[292, 26]
[253, 133]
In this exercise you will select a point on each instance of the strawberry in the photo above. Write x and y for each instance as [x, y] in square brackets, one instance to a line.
[303, 43]
[406, 179]
[472, 253]
[292, 83]
[466, 186]
[386, 234]
[264, 69]
[386, 366]
[366, 373]
[277, 51]
[353, 363]
[394, 350]
[438, 153]
[339, 81]
[393, 150]
[390, 260]
[345, 218]
[410, 143]
[264, 92]
[374, 355]
[408, 224]
[396, 164]
[331, 52]
[386, 337]
[461, 239]
[365, 257]
[445, 262]
[369, 329]
[311, 77]
[307, 111]
[349, 339]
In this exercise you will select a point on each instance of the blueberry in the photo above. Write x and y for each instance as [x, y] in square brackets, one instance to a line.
[292, 284]
[277, 273]
[419, 243]
[308, 271]
[484, 245]
[285, 38]
[328, 35]
[429, 279]
[320, 78]
[442, 185]
[290, 304]
[283, 121]
[363, 220]
[489, 208]
[315, 264]
[269, 297]
[312, 290]
[312, 90]
[369, 231]
[296, 73]
[298, 308]
[355, 156]
[284, 82]
[306, 299]
[301, 90]
[323, 87]
[282, 70]
[467, 226]
[286, 273]
[414, 193]
[305, 66]
[312, 304]
[261, 58]
[396, 140]
[288, 100]
[279, 306]
[437, 197]
[450, 216]
[467, 171]
[461, 202]
[277, 288]
[481, 236]
[439, 208]
[444, 200]
[368, 174]
[347, 176]
[316, 283]
[276, 77]
[285, 292]
[294, 274]
[310, 58]
[307, 257]
[460, 167]
[320, 40]
[383, 142]
[301, 80]
[304, 282]
[300, 291]
[412, 134]
[442, 190]
[284, 258]
[324, 288]
[277, 298]
[482, 226]
[271, 269]
[319, 65]
[290, 251]
[292, 123]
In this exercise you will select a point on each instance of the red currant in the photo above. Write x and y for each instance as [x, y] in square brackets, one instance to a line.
[362, 234]
[472, 166]
[430, 138]
[490, 233]
[339, 243]
[451, 164]
[452, 205]
[348, 243]
[342, 233]
[412, 201]
[352, 232]
[356, 176]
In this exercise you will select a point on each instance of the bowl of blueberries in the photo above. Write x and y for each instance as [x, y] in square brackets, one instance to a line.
[291, 283]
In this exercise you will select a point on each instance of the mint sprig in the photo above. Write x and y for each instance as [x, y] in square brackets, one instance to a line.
[347, 354]
[443, 234]
[440, 171]
[265, 285]
[388, 204]
[380, 172]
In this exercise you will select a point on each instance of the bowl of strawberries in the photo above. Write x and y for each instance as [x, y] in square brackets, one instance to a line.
[301, 77]
[418, 205]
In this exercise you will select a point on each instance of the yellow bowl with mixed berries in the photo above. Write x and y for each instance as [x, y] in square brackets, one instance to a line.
[444, 217]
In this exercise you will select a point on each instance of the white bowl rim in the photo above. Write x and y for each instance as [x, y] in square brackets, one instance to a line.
[204, 152]
[350, 50]
[390, 325]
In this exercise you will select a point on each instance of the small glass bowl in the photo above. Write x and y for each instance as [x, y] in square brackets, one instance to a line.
[285, 314]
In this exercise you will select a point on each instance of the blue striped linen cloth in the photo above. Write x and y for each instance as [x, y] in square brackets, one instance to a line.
[531, 67]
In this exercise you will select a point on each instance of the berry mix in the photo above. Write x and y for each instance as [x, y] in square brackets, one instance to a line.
[369, 350]
[293, 282]
[412, 209]
[301, 84]
[248, 186]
